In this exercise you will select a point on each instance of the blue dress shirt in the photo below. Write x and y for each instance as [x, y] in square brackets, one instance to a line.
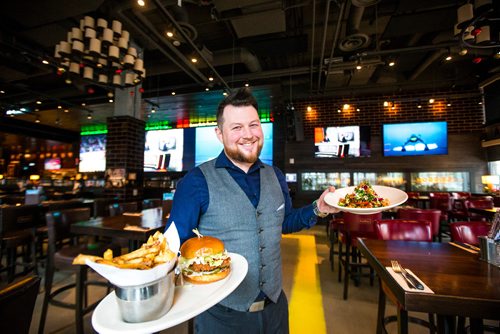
[191, 198]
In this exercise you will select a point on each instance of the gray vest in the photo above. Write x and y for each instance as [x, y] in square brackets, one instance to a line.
[252, 232]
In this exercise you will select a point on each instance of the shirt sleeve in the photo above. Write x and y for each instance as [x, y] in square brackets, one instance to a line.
[190, 202]
[295, 219]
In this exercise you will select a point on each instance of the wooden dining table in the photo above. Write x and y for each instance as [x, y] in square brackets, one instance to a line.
[462, 284]
[489, 214]
[135, 227]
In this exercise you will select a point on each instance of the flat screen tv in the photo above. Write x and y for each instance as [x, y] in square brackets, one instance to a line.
[342, 141]
[164, 150]
[52, 164]
[410, 139]
[208, 147]
[92, 153]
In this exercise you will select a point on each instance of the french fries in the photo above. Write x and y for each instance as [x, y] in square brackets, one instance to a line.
[154, 252]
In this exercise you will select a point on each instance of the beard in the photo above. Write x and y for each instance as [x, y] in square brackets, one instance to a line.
[244, 157]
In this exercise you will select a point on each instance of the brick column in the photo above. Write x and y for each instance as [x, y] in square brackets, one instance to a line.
[125, 150]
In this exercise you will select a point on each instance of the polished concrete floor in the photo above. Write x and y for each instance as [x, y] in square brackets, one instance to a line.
[355, 315]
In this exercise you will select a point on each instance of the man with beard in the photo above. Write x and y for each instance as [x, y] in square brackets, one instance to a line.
[246, 204]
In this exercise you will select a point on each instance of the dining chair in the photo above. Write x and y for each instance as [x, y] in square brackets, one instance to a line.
[480, 203]
[469, 231]
[17, 302]
[413, 198]
[404, 230]
[17, 231]
[433, 215]
[63, 248]
[350, 261]
[116, 209]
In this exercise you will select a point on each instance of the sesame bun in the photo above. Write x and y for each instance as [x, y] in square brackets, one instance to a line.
[204, 246]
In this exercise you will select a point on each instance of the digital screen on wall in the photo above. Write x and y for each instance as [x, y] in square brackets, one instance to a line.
[342, 141]
[164, 150]
[410, 139]
[208, 146]
[52, 164]
[92, 153]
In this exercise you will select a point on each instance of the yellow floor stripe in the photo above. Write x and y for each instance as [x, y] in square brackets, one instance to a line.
[306, 303]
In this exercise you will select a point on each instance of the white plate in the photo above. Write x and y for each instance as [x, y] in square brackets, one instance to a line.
[189, 301]
[395, 196]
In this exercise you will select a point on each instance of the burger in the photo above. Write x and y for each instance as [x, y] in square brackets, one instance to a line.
[204, 260]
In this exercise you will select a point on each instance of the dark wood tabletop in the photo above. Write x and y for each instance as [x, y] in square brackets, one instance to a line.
[463, 285]
[487, 213]
[150, 220]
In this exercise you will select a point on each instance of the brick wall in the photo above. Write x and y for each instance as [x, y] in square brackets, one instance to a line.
[461, 109]
[465, 117]
[125, 150]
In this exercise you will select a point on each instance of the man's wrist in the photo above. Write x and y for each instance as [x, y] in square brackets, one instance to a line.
[317, 212]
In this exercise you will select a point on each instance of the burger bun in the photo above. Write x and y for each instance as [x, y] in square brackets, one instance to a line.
[205, 279]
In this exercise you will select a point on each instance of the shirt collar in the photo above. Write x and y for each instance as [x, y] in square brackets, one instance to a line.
[224, 162]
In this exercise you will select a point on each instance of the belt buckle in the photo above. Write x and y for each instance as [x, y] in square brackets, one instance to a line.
[257, 306]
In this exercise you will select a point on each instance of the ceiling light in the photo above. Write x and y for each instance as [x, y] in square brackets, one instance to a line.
[357, 109]
[37, 120]
[358, 67]
[391, 63]
[66, 110]
[100, 51]
[463, 52]
[346, 106]
[194, 60]
[210, 78]
[173, 93]
[176, 43]
[224, 93]
[110, 100]
[386, 103]
[153, 110]
[247, 84]
[89, 115]
[309, 108]
[59, 107]
[45, 61]
[2, 92]
[419, 106]
[339, 111]
[431, 101]
[169, 34]
[448, 57]
[207, 89]
[38, 102]
[83, 104]
[141, 3]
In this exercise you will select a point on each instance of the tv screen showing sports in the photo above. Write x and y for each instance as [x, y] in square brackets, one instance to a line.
[164, 150]
[342, 141]
[409, 139]
[208, 147]
[52, 164]
[92, 153]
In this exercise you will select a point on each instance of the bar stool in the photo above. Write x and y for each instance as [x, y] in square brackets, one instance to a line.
[63, 248]
[354, 227]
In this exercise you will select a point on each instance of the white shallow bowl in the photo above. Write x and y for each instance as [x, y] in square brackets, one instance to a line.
[395, 196]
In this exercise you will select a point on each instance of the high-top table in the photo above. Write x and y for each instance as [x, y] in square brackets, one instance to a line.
[463, 285]
[135, 227]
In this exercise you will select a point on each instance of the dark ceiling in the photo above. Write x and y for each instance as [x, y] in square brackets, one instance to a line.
[295, 48]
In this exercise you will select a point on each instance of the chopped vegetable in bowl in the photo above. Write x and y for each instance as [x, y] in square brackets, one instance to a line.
[363, 197]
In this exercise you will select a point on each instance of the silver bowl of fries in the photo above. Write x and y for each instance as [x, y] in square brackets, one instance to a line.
[146, 302]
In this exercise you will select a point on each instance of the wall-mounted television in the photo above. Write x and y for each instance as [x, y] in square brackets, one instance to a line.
[92, 153]
[164, 150]
[342, 141]
[52, 164]
[208, 147]
[410, 139]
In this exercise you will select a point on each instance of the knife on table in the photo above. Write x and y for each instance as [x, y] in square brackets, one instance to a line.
[412, 279]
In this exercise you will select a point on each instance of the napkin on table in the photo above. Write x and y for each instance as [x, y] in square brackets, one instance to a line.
[403, 284]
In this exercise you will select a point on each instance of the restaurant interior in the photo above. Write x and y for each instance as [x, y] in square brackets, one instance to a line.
[105, 105]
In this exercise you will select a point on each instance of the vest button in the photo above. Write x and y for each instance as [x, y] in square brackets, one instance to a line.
[261, 248]
[261, 284]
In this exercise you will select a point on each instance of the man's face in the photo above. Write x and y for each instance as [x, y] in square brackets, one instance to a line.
[241, 135]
